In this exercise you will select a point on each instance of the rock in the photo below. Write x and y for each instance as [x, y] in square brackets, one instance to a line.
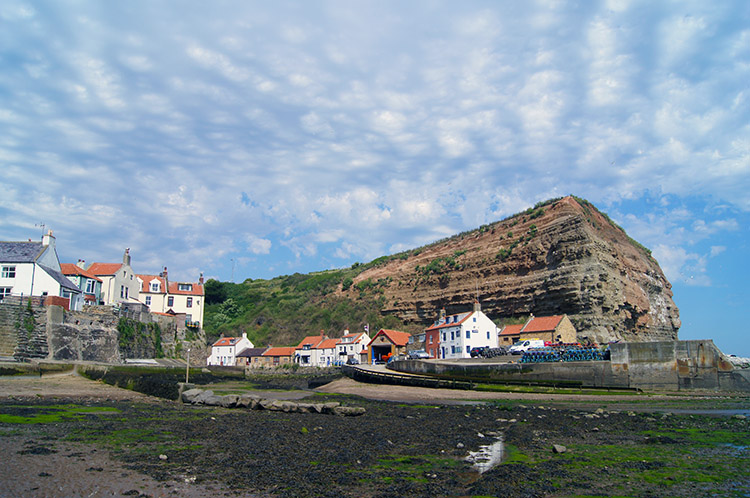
[201, 398]
[349, 411]
[163, 457]
[190, 395]
[329, 407]
[213, 400]
[599, 411]
[228, 401]
[460, 445]
[246, 401]
[558, 448]
[739, 416]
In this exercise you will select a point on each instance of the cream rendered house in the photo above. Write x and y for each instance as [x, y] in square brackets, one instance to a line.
[163, 296]
[119, 284]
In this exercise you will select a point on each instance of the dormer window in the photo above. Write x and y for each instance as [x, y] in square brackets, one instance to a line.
[154, 286]
[185, 287]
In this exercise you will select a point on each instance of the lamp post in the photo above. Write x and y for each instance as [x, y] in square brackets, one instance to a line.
[187, 367]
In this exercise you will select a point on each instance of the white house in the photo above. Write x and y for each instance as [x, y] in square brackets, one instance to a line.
[119, 284]
[224, 351]
[326, 350]
[307, 352]
[33, 269]
[163, 296]
[458, 334]
[351, 345]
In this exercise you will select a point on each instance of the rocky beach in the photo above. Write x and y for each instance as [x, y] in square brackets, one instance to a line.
[68, 436]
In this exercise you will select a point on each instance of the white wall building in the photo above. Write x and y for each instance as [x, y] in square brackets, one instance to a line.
[119, 284]
[459, 333]
[224, 351]
[33, 269]
[350, 346]
[163, 296]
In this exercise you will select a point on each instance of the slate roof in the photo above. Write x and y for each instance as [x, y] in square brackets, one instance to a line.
[61, 279]
[251, 352]
[20, 252]
[451, 321]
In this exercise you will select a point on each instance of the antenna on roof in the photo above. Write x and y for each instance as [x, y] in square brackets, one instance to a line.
[41, 225]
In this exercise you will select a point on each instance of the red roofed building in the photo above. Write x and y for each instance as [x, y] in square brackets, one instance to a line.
[350, 346]
[90, 284]
[557, 328]
[224, 351]
[387, 343]
[274, 357]
[163, 296]
[119, 284]
[307, 352]
[454, 336]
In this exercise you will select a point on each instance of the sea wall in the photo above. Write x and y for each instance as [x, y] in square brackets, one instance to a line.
[669, 365]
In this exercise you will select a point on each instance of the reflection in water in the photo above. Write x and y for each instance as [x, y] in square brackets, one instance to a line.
[487, 457]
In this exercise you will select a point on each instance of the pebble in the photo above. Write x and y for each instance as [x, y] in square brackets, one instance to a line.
[460, 445]
[163, 457]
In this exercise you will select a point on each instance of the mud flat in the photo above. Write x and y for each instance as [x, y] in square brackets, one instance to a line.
[97, 440]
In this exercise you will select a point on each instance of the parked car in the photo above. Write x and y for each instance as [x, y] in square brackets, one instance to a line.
[522, 346]
[352, 361]
[478, 351]
[418, 354]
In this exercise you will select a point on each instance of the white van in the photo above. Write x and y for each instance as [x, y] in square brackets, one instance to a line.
[523, 346]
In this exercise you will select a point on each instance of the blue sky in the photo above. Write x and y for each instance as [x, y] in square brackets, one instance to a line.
[258, 139]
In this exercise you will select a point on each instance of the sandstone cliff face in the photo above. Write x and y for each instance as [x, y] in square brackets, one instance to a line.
[564, 258]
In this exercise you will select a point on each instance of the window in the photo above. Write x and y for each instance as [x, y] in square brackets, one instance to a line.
[468, 334]
[443, 336]
[185, 287]
[453, 335]
[4, 291]
[127, 292]
[475, 319]
[9, 272]
[148, 300]
[190, 302]
[468, 350]
[154, 286]
[430, 339]
[170, 301]
[122, 291]
[488, 334]
[90, 286]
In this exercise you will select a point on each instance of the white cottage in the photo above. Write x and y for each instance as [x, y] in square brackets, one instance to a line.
[457, 334]
[224, 351]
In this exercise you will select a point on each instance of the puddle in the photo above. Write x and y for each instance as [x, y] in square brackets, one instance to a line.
[487, 457]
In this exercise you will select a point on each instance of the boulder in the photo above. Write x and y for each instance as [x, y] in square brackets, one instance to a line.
[349, 411]
[190, 395]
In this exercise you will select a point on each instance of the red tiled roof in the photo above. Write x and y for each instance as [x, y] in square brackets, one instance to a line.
[227, 341]
[197, 290]
[542, 323]
[71, 269]
[461, 319]
[312, 340]
[104, 268]
[396, 337]
[146, 283]
[328, 344]
[280, 351]
[512, 329]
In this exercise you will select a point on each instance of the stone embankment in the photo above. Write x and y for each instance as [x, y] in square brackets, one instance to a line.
[208, 398]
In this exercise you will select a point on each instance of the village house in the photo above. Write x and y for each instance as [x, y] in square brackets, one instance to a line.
[454, 336]
[224, 351]
[307, 352]
[246, 357]
[90, 284]
[385, 344]
[119, 284]
[163, 296]
[350, 346]
[274, 357]
[33, 269]
[557, 328]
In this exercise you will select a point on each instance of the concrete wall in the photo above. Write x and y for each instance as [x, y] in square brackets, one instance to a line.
[668, 365]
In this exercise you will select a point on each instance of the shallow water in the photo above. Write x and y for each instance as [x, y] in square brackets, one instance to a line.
[487, 456]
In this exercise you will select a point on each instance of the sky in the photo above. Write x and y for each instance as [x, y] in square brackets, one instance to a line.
[248, 139]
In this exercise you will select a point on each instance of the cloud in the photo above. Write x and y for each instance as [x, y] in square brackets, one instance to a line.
[258, 245]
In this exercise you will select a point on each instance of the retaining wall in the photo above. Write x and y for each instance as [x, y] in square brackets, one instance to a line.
[671, 365]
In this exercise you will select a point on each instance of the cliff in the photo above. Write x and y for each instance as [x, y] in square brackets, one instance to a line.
[564, 257]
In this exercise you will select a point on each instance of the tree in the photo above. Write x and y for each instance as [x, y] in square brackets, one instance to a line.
[215, 291]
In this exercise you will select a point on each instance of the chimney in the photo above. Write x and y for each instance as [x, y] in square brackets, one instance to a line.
[200, 280]
[441, 318]
[477, 306]
[48, 239]
[126, 257]
[81, 263]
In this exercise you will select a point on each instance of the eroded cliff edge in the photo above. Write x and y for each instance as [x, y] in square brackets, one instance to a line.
[562, 257]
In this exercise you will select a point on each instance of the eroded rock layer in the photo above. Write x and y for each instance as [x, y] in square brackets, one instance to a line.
[564, 257]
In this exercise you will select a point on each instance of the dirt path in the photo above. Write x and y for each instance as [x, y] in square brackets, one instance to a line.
[65, 385]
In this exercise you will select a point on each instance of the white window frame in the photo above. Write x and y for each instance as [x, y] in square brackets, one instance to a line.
[9, 272]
